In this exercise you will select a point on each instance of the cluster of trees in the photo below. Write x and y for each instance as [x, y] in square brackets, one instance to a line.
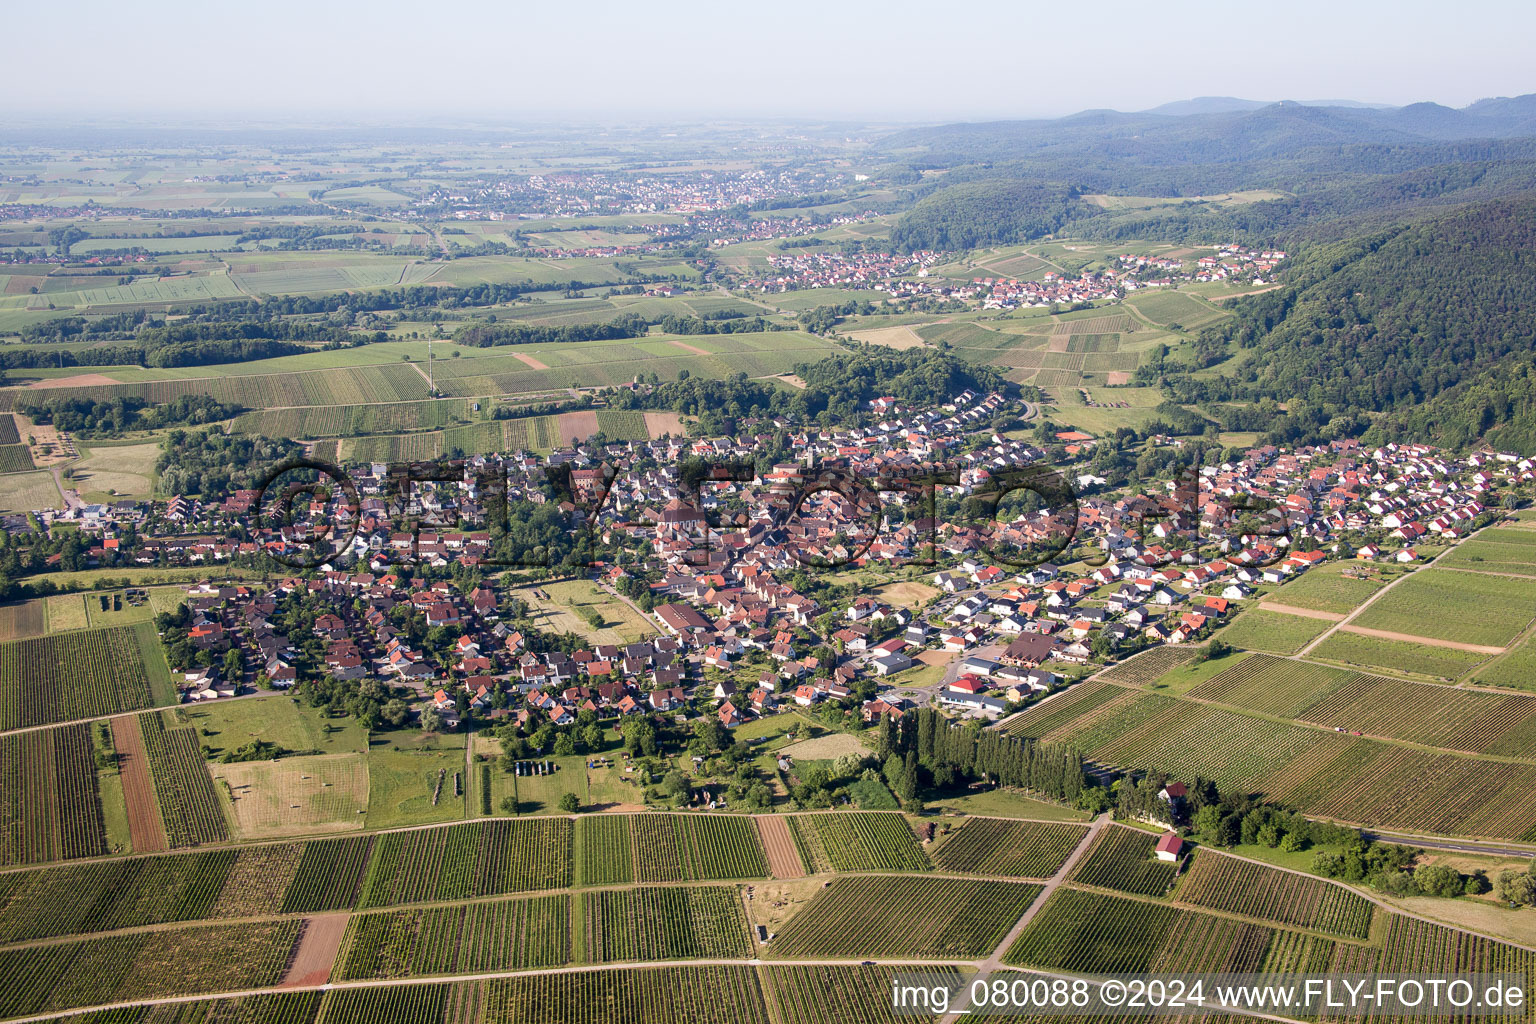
[630, 325]
[837, 388]
[222, 336]
[925, 751]
[97, 417]
[210, 462]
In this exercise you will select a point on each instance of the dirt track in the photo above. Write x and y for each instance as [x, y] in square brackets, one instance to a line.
[144, 825]
[532, 362]
[1305, 613]
[316, 953]
[783, 857]
[1383, 634]
[691, 348]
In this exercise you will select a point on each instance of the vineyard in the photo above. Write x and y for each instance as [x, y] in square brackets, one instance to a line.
[857, 841]
[1437, 716]
[1272, 686]
[143, 965]
[500, 935]
[1301, 767]
[677, 847]
[697, 995]
[64, 677]
[666, 923]
[402, 1004]
[189, 805]
[815, 995]
[275, 1008]
[905, 916]
[1122, 859]
[1240, 887]
[111, 894]
[1150, 665]
[1094, 933]
[604, 851]
[50, 808]
[328, 875]
[484, 858]
[1080, 701]
[997, 846]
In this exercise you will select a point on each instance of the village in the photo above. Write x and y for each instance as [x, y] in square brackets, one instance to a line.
[747, 611]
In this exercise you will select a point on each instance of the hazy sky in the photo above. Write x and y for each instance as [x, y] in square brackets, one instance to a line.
[381, 60]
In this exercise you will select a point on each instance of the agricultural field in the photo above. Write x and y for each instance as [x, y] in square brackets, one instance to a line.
[1123, 859]
[1402, 656]
[700, 995]
[485, 858]
[1285, 897]
[896, 915]
[1174, 309]
[1276, 632]
[15, 458]
[499, 935]
[20, 619]
[666, 923]
[1335, 587]
[1095, 933]
[132, 965]
[1272, 686]
[1446, 605]
[680, 847]
[294, 796]
[26, 492]
[85, 674]
[355, 420]
[998, 846]
[1437, 716]
[1515, 668]
[604, 850]
[328, 875]
[1150, 665]
[66, 611]
[108, 895]
[1066, 706]
[857, 841]
[50, 804]
[189, 802]
[814, 995]
[1510, 549]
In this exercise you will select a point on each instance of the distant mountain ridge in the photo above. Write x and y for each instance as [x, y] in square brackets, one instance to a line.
[1229, 104]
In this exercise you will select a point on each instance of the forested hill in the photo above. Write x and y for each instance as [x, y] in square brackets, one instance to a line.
[1347, 166]
[988, 213]
[1396, 317]
[1496, 407]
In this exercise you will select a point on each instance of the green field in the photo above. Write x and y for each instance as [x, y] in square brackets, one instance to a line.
[403, 772]
[1461, 606]
[1510, 549]
[1327, 588]
[1413, 659]
[1275, 632]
